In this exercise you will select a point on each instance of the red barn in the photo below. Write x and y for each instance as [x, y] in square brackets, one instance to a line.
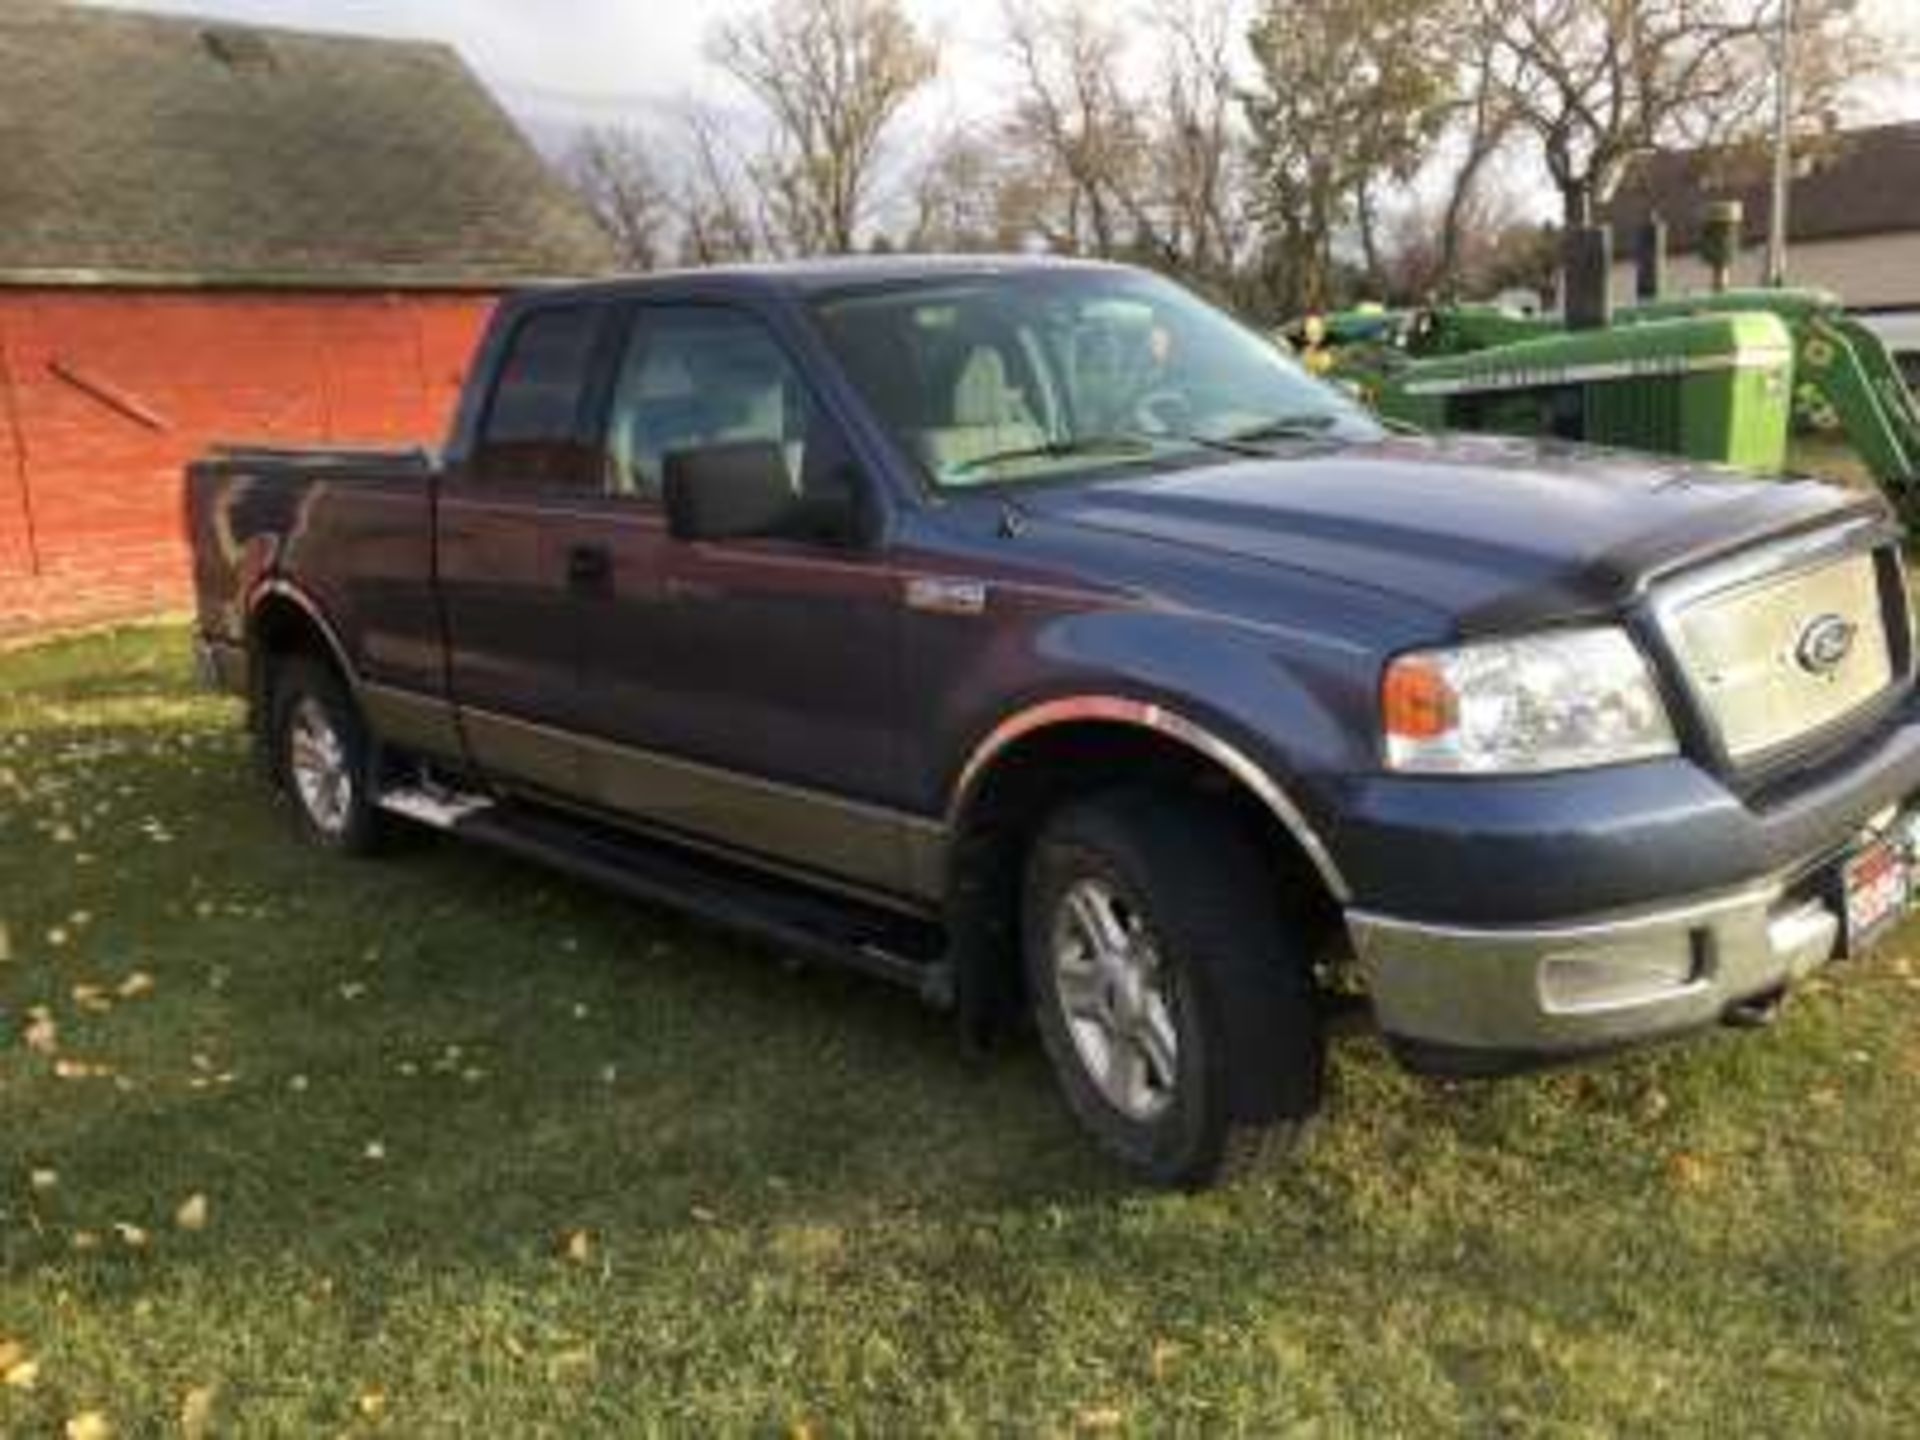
[210, 232]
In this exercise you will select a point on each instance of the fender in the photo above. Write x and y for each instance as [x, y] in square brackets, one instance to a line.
[287, 590]
[1146, 715]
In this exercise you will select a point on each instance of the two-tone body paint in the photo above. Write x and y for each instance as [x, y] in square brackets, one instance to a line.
[827, 710]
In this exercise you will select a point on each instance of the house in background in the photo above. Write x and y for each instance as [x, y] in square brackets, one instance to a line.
[1853, 215]
[210, 232]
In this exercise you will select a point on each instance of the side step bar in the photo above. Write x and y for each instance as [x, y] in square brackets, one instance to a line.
[785, 914]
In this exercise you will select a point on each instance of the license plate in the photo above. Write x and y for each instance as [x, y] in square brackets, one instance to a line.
[1875, 887]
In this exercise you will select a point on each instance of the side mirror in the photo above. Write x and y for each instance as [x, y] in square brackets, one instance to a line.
[728, 492]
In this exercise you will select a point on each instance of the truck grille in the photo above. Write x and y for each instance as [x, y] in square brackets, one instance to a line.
[1785, 654]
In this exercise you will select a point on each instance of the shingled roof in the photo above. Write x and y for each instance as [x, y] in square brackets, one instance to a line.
[1855, 182]
[141, 148]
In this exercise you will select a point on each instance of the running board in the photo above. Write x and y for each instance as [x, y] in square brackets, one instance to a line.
[785, 914]
[432, 805]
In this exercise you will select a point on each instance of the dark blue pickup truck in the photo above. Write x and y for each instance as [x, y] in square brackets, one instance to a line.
[1034, 634]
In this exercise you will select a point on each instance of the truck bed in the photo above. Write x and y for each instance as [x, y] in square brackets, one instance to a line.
[353, 522]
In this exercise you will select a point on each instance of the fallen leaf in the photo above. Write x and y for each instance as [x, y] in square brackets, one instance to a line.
[1686, 1170]
[44, 1179]
[135, 985]
[703, 1215]
[1160, 1359]
[372, 1402]
[42, 1034]
[92, 997]
[1099, 1418]
[196, 1412]
[577, 1246]
[12, 1352]
[22, 1374]
[84, 1240]
[131, 1236]
[89, 1425]
[192, 1214]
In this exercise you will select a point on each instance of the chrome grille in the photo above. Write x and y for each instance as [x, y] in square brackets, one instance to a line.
[1765, 655]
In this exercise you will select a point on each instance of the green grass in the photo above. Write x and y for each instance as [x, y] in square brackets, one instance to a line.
[805, 1211]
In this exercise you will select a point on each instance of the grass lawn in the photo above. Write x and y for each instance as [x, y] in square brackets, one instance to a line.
[480, 1151]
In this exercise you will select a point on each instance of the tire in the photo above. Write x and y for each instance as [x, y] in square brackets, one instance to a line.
[1222, 1056]
[322, 758]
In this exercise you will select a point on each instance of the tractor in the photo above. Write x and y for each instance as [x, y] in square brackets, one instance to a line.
[1727, 376]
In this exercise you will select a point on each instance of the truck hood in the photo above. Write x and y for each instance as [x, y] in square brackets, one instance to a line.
[1492, 531]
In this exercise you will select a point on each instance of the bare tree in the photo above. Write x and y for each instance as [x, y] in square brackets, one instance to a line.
[719, 221]
[1200, 145]
[957, 195]
[832, 76]
[1078, 135]
[1600, 82]
[615, 169]
[1482, 120]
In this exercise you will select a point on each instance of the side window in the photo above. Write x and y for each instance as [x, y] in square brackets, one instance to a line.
[532, 434]
[695, 376]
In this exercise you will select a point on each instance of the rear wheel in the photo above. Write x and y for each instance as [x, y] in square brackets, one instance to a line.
[322, 758]
[1175, 1002]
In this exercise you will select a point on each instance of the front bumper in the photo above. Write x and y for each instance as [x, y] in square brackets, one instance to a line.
[1467, 1000]
[1545, 919]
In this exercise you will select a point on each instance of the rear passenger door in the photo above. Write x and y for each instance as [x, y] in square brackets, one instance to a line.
[519, 548]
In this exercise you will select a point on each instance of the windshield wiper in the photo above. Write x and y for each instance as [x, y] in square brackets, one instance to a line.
[1060, 450]
[1283, 427]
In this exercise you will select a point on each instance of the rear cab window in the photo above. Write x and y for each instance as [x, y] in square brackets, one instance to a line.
[535, 431]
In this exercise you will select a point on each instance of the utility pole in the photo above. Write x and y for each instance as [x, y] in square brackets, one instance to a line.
[1782, 149]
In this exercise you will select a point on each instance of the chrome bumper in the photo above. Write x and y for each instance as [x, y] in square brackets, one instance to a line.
[1470, 999]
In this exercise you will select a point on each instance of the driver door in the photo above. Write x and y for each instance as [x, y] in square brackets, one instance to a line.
[742, 691]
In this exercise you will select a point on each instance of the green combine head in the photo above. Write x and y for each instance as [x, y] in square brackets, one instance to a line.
[1715, 388]
[1726, 378]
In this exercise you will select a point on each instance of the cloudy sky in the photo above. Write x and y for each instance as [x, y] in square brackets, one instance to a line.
[559, 64]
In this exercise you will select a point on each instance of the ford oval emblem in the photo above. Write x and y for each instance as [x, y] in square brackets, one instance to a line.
[1824, 643]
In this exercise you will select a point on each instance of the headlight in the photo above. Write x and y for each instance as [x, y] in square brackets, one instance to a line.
[1559, 700]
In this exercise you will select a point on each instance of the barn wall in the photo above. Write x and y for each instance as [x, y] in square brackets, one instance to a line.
[105, 395]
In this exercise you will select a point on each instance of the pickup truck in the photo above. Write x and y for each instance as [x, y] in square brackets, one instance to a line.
[1034, 634]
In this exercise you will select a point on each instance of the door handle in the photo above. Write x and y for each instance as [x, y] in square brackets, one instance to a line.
[589, 569]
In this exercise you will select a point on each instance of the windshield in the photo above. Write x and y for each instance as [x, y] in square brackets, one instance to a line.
[1033, 375]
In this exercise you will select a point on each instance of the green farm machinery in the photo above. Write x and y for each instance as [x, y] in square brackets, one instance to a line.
[1727, 377]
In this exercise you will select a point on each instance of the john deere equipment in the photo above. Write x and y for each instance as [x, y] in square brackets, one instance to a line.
[1724, 377]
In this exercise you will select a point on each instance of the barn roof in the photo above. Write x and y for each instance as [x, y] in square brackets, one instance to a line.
[1854, 182]
[139, 148]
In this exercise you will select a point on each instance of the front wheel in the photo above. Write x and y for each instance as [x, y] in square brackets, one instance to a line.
[1173, 999]
[322, 758]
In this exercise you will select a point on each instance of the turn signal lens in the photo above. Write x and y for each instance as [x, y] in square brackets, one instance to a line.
[1417, 701]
